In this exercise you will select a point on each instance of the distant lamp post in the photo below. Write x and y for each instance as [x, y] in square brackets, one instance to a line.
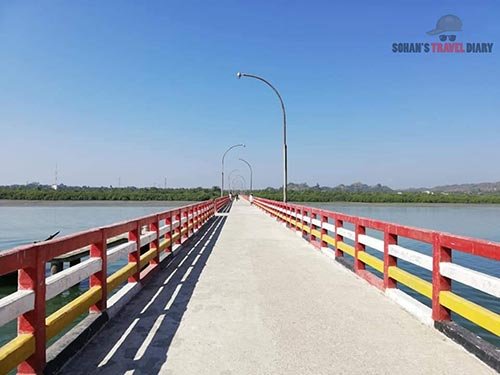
[229, 178]
[241, 178]
[251, 172]
[285, 162]
[223, 156]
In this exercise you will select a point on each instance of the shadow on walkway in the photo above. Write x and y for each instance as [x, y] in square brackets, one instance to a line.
[137, 340]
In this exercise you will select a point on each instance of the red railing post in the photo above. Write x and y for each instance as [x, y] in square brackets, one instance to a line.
[389, 260]
[99, 250]
[168, 235]
[312, 215]
[155, 244]
[358, 246]
[324, 232]
[439, 282]
[177, 231]
[288, 215]
[184, 227]
[197, 217]
[193, 220]
[33, 278]
[338, 238]
[298, 220]
[293, 218]
[134, 257]
[312, 237]
[303, 214]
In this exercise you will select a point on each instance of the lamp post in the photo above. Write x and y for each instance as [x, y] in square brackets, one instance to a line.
[223, 156]
[285, 162]
[251, 172]
[229, 178]
[238, 176]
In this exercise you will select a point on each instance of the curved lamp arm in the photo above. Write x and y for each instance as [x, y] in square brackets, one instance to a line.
[285, 152]
[222, 173]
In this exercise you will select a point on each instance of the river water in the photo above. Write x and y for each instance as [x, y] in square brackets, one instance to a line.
[25, 222]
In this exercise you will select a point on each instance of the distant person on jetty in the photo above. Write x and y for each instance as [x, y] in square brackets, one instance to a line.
[250, 199]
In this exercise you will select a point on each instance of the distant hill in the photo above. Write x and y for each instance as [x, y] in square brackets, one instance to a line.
[478, 188]
[356, 187]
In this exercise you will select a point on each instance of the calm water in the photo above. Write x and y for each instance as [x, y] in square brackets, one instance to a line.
[26, 222]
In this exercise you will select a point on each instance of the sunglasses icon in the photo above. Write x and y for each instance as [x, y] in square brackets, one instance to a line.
[451, 38]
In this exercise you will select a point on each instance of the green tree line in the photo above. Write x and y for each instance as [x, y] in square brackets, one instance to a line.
[77, 193]
[378, 197]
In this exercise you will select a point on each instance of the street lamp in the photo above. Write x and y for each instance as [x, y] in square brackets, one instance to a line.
[238, 176]
[229, 178]
[223, 156]
[251, 172]
[285, 163]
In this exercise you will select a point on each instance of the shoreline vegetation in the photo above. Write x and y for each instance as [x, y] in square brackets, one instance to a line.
[311, 194]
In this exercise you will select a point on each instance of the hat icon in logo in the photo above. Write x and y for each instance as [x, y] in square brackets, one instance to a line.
[446, 24]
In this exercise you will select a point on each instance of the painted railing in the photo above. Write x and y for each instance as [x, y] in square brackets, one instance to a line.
[326, 230]
[160, 234]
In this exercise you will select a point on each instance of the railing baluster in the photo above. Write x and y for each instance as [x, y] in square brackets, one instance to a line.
[324, 232]
[168, 235]
[338, 238]
[134, 257]
[439, 282]
[302, 220]
[197, 218]
[33, 278]
[184, 227]
[190, 221]
[99, 250]
[155, 244]
[312, 237]
[177, 231]
[389, 260]
[359, 230]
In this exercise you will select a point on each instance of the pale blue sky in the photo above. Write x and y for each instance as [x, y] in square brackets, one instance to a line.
[147, 90]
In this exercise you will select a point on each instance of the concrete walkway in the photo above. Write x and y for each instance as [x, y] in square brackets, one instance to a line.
[251, 297]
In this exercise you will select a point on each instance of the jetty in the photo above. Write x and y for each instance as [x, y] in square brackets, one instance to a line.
[270, 288]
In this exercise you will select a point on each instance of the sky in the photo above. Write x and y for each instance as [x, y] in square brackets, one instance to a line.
[138, 92]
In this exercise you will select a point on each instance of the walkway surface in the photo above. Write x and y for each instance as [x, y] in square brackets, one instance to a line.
[252, 297]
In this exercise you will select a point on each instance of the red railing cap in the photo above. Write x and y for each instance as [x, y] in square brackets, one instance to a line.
[474, 246]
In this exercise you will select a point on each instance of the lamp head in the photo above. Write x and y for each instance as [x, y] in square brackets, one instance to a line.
[238, 75]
